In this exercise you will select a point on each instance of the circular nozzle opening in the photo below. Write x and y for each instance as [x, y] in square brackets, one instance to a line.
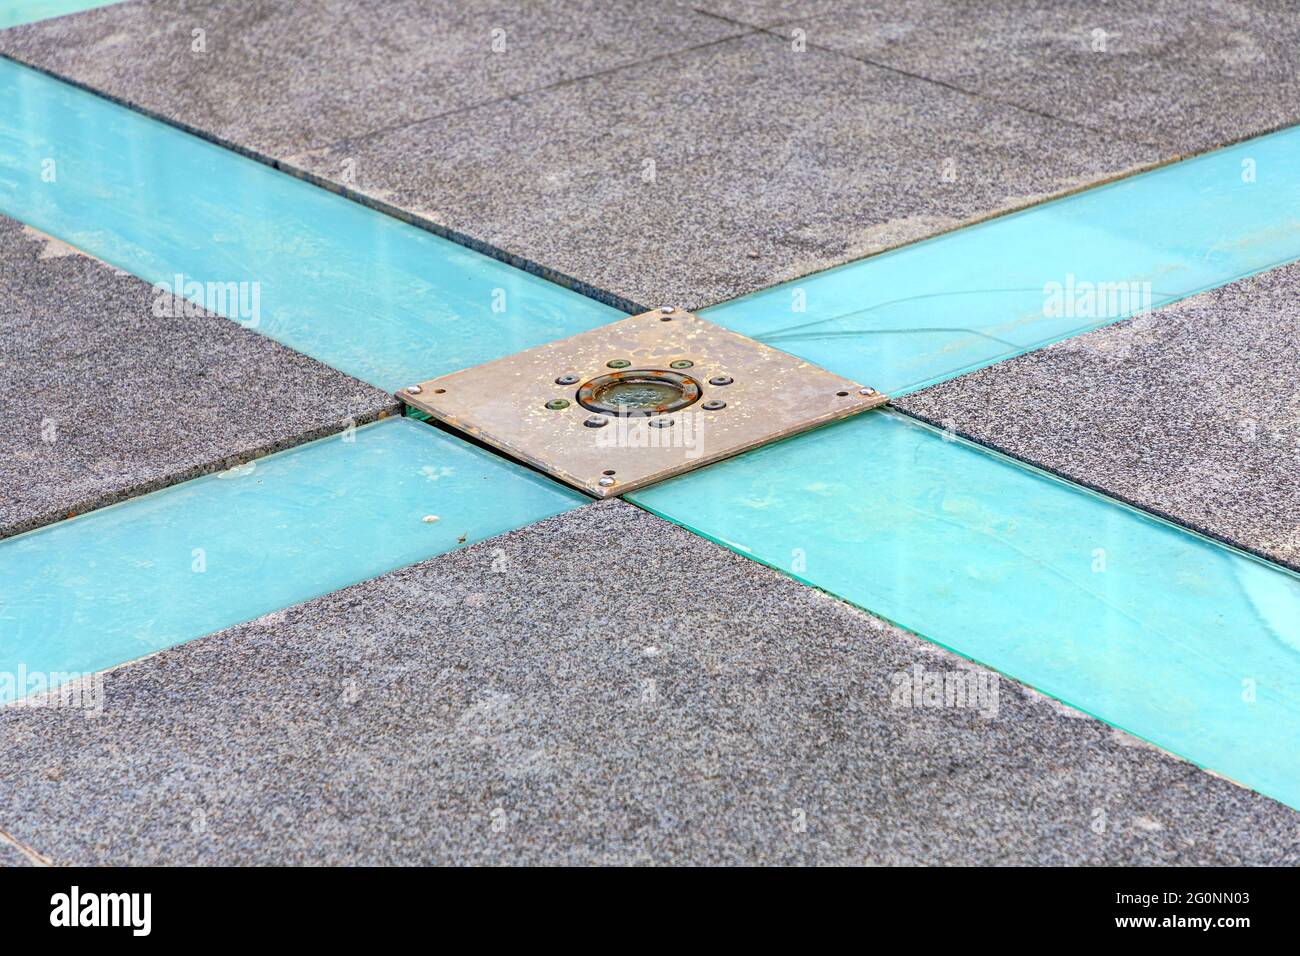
[640, 391]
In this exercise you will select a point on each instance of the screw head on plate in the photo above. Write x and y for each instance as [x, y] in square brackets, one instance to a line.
[556, 404]
[617, 363]
[681, 363]
[714, 405]
[596, 421]
[666, 309]
[721, 380]
[605, 482]
[415, 389]
[866, 391]
[567, 380]
[660, 422]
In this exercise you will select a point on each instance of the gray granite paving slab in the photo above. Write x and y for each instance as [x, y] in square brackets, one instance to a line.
[1186, 75]
[1192, 411]
[670, 159]
[602, 687]
[723, 170]
[10, 855]
[277, 77]
[101, 399]
[767, 13]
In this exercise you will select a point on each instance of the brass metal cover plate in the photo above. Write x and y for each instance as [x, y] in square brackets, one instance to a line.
[639, 400]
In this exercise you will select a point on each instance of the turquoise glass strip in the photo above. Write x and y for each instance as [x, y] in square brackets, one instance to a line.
[926, 312]
[16, 12]
[1170, 636]
[131, 579]
[361, 291]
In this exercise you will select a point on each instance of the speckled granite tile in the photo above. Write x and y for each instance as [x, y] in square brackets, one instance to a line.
[711, 163]
[101, 399]
[1191, 411]
[10, 855]
[518, 702]
[274, 77]
[724, 170]
[767, 13]
[1184, 75]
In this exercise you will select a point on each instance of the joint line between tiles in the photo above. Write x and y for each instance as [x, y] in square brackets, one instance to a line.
[39, 859]
[770, 30]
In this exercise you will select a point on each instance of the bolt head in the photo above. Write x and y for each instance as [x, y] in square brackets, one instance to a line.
[713, 405]
[617, 363]
[596, 421]
[660, 422]
[556, 404]
[866, 391]
[415, 389]
[721, 380]
[605, 482]
[567, 380]
[666, 309]
[681, 363]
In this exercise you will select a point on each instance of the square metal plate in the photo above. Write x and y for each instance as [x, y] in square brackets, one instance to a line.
[517, 405]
